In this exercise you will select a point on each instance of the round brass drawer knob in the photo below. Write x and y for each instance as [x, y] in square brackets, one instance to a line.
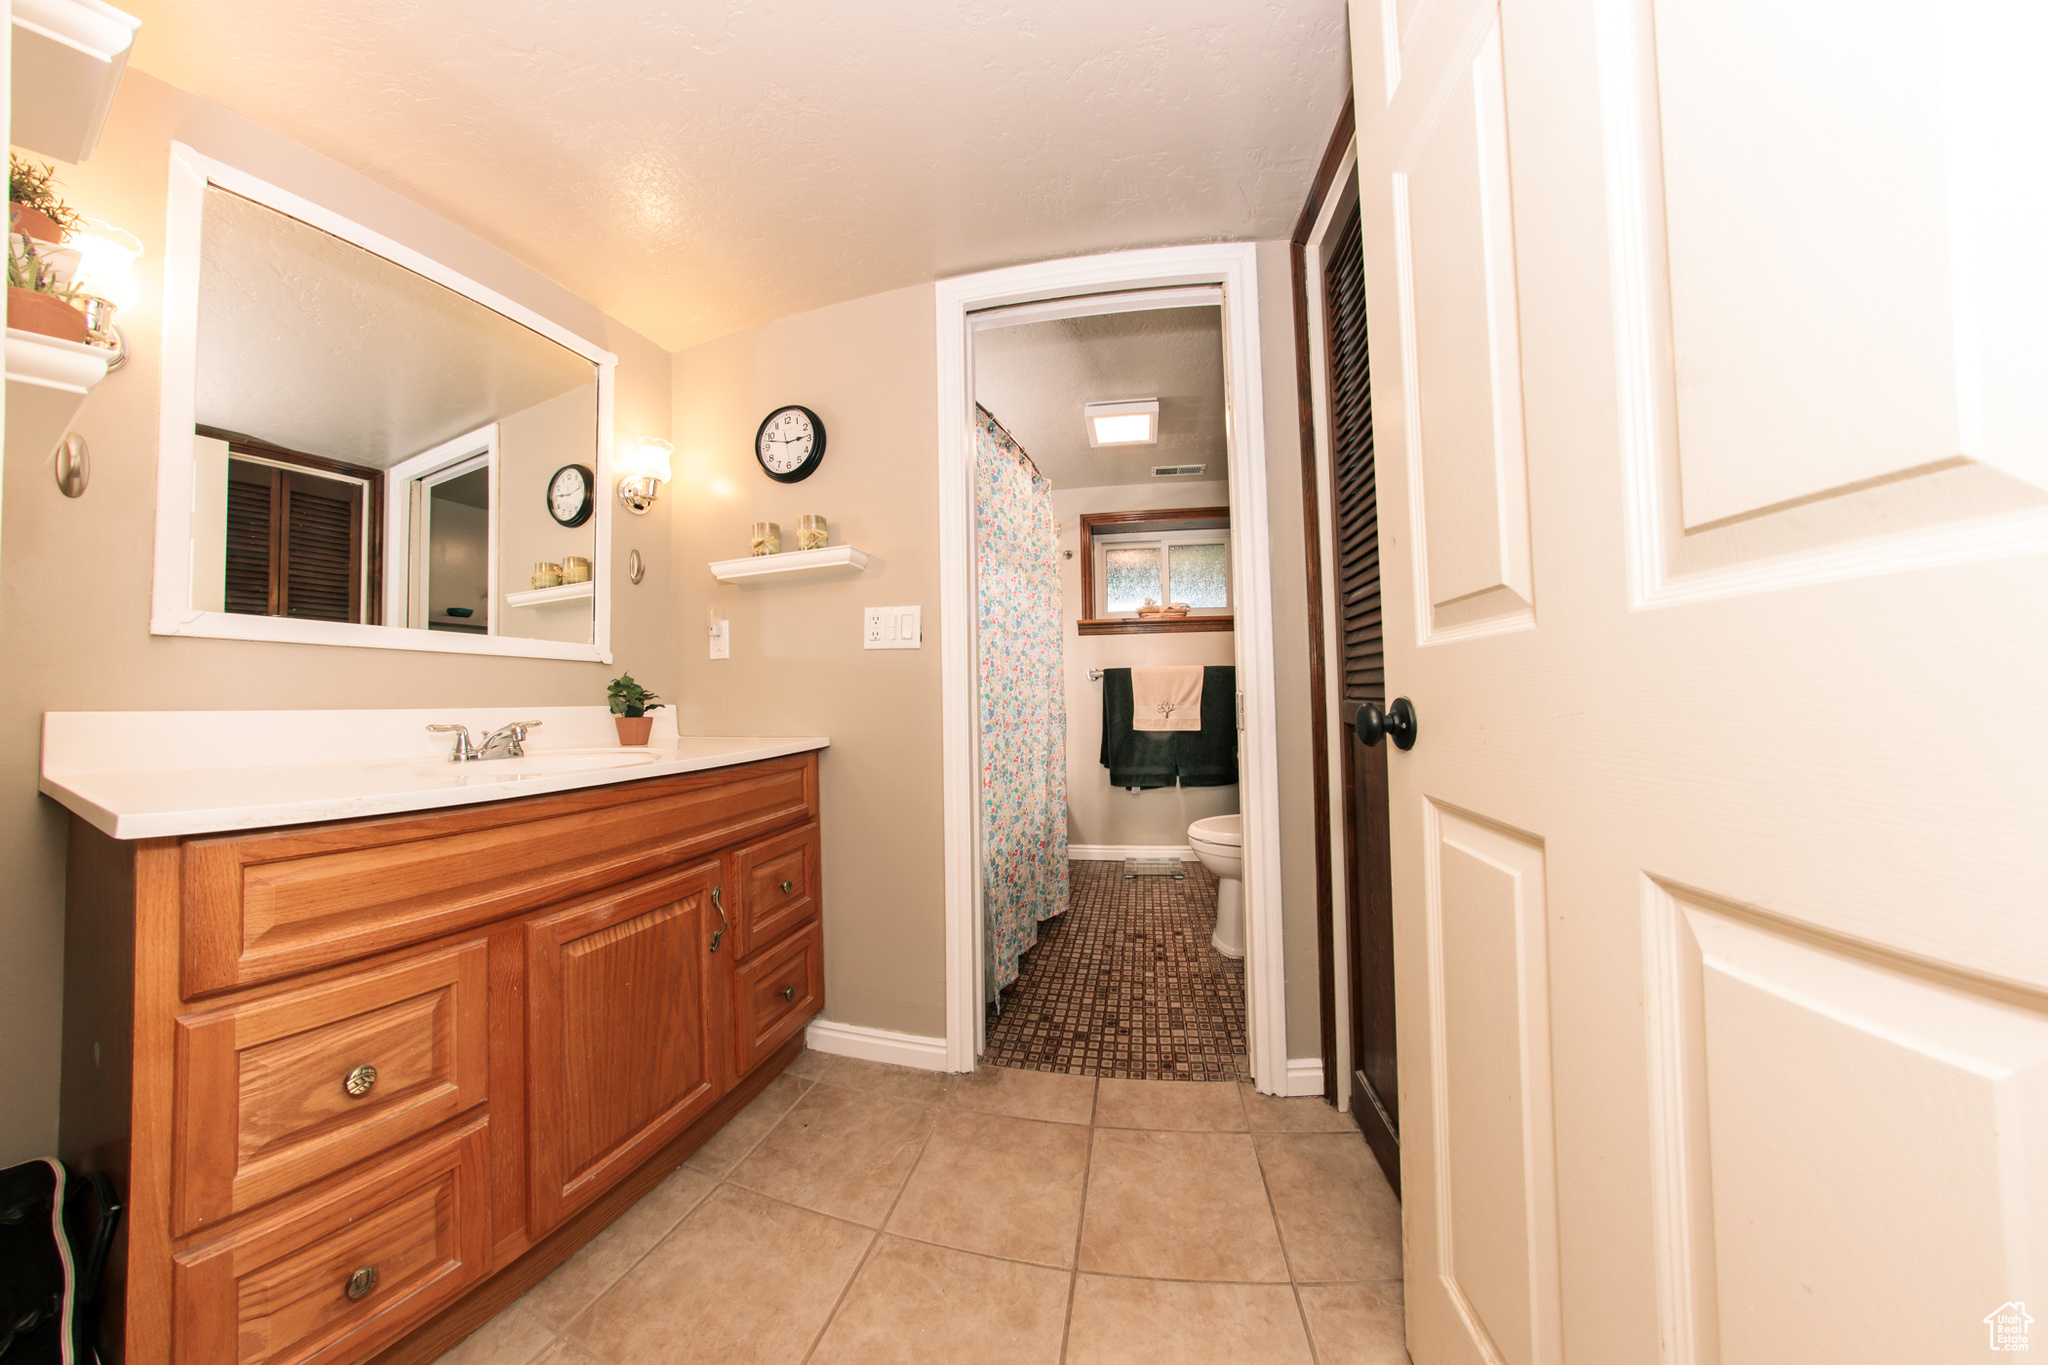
[362, 1282]
[358, 1083]
[787, 886]
[789, 992]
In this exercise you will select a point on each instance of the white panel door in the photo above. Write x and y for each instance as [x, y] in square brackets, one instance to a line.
[1708, 389]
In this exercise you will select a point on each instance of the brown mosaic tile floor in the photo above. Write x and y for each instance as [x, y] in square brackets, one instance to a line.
[1125, 984]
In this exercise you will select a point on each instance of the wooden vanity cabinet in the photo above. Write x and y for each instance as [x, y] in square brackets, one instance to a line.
[361, 1084]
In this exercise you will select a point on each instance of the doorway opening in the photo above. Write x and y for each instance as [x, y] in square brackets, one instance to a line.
[444, 536]
[1222, 280]
[1106, 677]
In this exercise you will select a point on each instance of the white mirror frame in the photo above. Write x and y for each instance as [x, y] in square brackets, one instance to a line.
[171, 610]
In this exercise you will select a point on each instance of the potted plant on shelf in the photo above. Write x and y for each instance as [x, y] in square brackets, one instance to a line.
[39, 295]
[630, 704]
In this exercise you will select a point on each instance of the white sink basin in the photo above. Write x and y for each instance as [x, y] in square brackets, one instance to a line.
[532, 766]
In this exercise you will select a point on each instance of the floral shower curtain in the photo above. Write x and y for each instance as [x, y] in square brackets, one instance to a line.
[1023, 701]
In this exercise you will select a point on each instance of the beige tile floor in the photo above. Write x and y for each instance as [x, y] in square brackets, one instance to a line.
[857, 1213]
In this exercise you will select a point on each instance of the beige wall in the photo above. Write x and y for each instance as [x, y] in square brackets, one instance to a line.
[1098, 813]
[74, 581]
[868, 369]
[532, 445]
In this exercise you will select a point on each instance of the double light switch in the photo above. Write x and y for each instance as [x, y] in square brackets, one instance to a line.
[893, 628]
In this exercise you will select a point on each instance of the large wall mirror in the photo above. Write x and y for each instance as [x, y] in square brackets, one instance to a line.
[362, 446]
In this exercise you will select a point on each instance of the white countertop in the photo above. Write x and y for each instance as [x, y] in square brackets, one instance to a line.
[152, 774]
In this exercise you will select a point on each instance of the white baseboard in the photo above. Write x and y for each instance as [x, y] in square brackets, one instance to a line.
[1304, 1075]
[881, 1045]
[1116, 853]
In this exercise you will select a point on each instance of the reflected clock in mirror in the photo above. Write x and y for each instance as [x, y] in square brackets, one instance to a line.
[379, 449]
[571, 497]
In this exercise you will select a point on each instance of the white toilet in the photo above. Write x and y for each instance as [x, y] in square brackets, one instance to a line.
[1219, 842]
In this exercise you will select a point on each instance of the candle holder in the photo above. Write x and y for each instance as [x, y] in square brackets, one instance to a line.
[811, 533]
[765, 539]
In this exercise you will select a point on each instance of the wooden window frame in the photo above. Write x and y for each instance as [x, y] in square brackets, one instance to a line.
[1126, 523]
[370, 544]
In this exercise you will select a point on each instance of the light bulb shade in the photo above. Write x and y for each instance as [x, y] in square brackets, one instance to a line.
[651, 459]
[106, 267]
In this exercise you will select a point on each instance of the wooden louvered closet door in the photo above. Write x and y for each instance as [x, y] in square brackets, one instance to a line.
[1375, 1095]
[322, 536]
[253, 496]
[295, 544]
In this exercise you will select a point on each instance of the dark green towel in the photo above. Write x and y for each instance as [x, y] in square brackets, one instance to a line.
[1208, 757]
[1135, 758]
[1158, 758]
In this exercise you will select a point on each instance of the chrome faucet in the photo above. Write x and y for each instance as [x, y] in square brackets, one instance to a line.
[507, 741]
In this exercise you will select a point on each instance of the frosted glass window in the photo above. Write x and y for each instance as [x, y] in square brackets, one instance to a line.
[1200, 575]
[1133, 576]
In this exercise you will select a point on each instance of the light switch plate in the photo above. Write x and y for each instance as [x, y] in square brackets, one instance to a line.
[721, 640]
[892, 628]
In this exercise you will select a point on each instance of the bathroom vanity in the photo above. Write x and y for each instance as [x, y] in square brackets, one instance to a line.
[361, 1081]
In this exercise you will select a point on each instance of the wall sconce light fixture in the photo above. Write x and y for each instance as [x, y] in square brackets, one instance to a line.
[645, 471]
[105, 278]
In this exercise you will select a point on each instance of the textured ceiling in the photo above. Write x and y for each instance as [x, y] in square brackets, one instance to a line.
[1034, 379]
[314, 344]
[696, 167]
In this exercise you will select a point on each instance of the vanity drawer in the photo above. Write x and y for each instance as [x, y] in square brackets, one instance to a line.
[344, 1272]
[778, 884]
[273, 1094]
[775, 994]
[262, 906]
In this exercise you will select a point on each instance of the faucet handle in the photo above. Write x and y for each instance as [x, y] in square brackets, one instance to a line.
[522, 726]
[463, 748]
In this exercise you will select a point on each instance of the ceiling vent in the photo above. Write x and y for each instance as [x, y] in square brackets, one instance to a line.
[1168, 471]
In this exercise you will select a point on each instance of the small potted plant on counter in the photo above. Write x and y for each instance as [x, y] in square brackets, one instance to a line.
[630, 704]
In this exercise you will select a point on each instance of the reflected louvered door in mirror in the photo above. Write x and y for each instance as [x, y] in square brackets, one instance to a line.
[322, 534]
[1375, 1099]
[296, 543]
[253, 496]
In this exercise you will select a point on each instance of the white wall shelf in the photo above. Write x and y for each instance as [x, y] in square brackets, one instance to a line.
[541, 597]
[794, 562]
[68, 60]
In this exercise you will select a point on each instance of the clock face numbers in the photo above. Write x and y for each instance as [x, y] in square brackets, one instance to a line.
[790, 443]
[569, 501]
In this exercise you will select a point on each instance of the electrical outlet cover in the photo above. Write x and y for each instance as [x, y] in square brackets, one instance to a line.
[892, 628]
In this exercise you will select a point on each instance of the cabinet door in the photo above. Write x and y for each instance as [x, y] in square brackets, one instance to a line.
[620, 1048]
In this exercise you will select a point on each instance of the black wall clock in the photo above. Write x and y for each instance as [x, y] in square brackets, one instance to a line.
[570, 494]
[790, 444]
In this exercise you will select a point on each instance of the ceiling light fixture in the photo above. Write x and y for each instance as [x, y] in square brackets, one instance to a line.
[1135, 423]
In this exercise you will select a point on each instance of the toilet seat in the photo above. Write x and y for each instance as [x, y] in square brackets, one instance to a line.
[1227, 830]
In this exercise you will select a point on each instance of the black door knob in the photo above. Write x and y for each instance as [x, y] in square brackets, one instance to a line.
[1397, 723]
